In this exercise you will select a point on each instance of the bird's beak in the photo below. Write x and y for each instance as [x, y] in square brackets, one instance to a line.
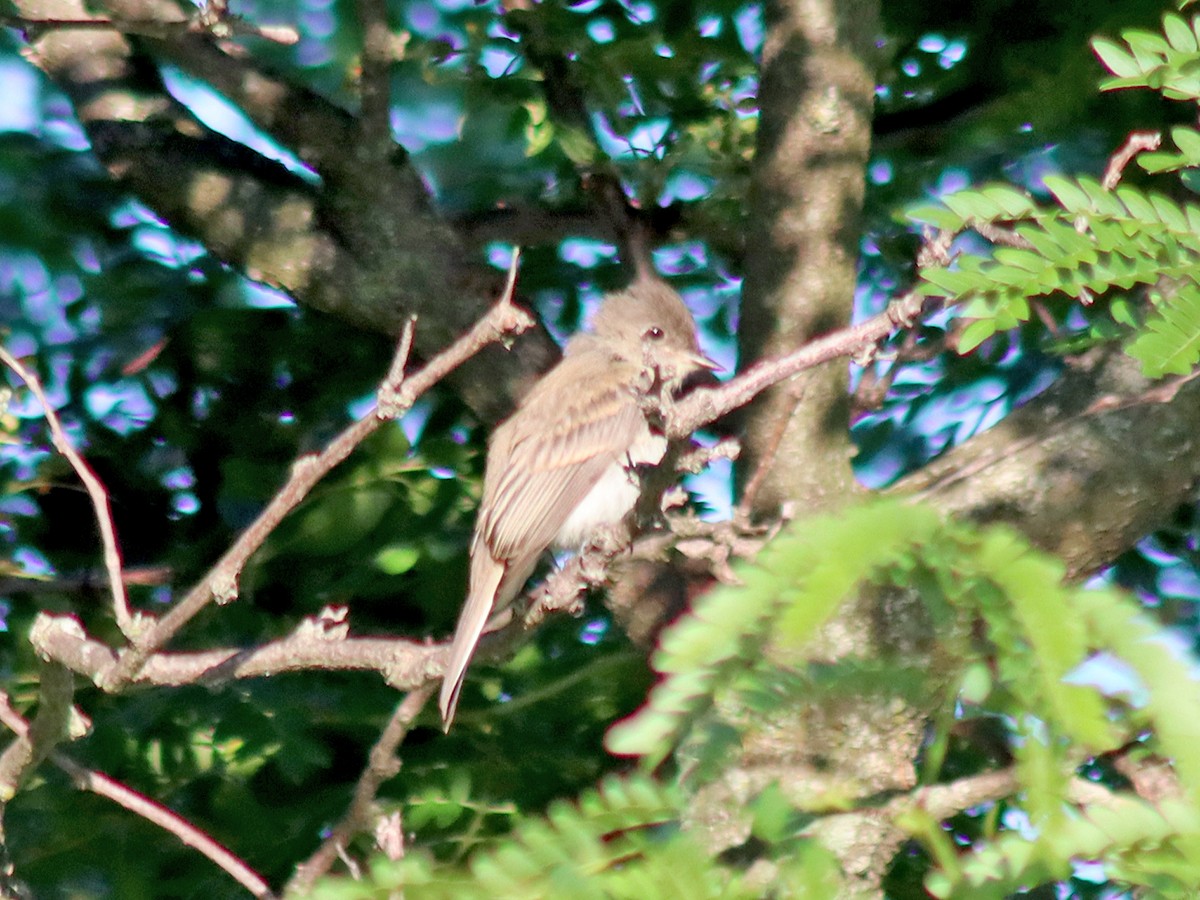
[701, 361]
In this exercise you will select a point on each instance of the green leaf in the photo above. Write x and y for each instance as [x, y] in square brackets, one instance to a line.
[1115, 58]
[975, 334]
[1123, 314]
[1169, 213]
[1067, 192]
[976, 683]
[1169, 343]
[1013, 203]
[1179, 33]
[397, 559]
[969, 205]
[953, 282]
[1161, 161]
[1151, 46]
[1188, 141]
[576, 144]
[936, 215]
[771, 813]
[1173, 688]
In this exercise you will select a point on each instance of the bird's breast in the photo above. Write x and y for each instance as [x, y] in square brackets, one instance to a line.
[613, 497]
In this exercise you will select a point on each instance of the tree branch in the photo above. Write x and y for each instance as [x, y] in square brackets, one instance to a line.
[1053, 468]
[365, 244]
[103, 786]
[706, 405]
[315, 128]
[95, 491]
[396, 396]
[382, 765]
[224, 26]
[403, 664]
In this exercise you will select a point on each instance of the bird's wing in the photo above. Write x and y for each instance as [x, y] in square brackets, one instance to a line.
[546, 458]
[541, 464]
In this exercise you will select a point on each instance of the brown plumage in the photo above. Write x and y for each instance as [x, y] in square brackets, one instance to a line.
[562, 466]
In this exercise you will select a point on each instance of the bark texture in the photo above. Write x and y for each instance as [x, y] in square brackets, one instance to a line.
[816, 96]
[1084, 471]
[364, 244]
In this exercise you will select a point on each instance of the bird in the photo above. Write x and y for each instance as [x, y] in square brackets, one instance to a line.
[563, 466]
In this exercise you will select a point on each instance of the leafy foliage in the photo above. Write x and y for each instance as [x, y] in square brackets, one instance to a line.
[1140, 844]
[1036, 640]
[622, 840]
[1164, 62]
[1095, 240]
[795, 587]
[192, 389]
[617, 841]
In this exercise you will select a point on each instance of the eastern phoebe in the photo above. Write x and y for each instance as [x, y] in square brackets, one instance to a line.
[564, 465]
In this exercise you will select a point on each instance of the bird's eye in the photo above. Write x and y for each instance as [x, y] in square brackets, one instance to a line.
[654, 333]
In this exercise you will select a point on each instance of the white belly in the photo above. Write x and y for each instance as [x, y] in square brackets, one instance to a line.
[614, 495]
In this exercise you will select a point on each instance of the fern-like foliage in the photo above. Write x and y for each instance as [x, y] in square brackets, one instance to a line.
[620, 841]
[1169, 344]
[1019, 662]
[1140, 843]
[1037, 633]
[804, 576]
[1164, 62]
[1093, 240]
[792, 589]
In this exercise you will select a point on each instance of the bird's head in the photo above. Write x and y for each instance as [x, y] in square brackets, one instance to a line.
[648, 323]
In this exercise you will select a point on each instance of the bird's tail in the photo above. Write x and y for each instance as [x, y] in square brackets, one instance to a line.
[475, 612]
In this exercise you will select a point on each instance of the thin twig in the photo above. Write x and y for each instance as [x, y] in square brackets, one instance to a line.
[1137, 142]
[705, 405]
[95, 490]
[941, 801]
[390, 403]
[382, 764]
[510, 281]
[405, 664]
[220, 584]
[103, 786]
[1005, 237]
[714, 542]
[81, 582]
